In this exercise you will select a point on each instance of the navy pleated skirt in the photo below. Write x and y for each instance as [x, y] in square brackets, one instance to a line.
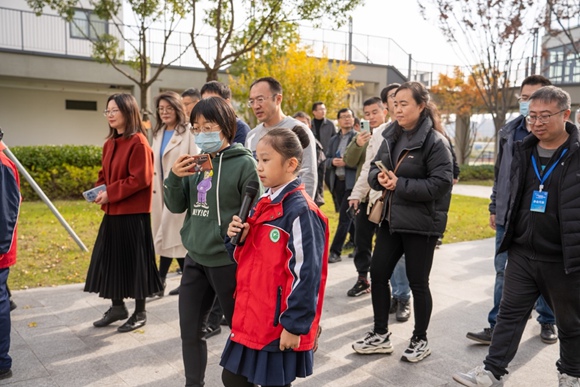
[266, 368]
[123, 260]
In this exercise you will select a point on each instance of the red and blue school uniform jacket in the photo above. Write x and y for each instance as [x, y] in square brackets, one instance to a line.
[9, 209]
[281, 274]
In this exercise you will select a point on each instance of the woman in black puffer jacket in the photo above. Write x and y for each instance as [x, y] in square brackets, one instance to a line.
[418, 182]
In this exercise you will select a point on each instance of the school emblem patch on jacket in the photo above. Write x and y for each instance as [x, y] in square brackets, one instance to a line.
[275, 235]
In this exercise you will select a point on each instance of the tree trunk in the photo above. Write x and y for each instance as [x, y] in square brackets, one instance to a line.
[146, 114]
[212, 74]
[462, 138]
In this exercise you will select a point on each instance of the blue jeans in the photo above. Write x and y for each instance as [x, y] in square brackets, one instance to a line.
[399, 282]
[5, 359]
[545, 315]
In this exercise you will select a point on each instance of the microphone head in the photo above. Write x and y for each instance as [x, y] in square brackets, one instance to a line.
[252, 188]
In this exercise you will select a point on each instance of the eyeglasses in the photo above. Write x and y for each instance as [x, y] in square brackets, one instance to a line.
[345, 117]
[259, 100]
[542, 119]
[203, 129]
[167, 109]
[108, 113]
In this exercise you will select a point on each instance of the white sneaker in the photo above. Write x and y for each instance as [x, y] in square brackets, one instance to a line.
[477, 377]
[374, 343]
[567, 381]
[416, 351]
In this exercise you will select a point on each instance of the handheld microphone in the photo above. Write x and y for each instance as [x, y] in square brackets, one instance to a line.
[249, 195]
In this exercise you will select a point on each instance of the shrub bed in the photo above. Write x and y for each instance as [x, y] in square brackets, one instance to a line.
[62, 171]
[476, 172]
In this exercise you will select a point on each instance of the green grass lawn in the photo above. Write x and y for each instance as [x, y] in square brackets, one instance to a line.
[48, 256]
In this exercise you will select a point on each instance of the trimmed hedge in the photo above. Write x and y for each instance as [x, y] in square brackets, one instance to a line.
[476, 172]
[62, 171]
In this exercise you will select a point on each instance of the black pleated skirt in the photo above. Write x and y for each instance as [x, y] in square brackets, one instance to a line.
[123, 260]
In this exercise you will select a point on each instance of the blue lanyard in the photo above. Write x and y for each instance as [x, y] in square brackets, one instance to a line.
[549, 171]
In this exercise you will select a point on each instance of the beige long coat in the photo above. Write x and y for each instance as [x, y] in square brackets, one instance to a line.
[166, 225]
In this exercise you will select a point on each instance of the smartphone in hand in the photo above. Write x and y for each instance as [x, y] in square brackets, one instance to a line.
[365, 126]
[92, 194]
[382, 167]
[200, 163]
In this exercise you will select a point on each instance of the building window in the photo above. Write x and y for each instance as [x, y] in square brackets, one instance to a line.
[562, 65]
[87, 25]
[81, 105]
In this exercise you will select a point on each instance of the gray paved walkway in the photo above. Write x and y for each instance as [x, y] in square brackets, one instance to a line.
[479, 191]
[55, 344]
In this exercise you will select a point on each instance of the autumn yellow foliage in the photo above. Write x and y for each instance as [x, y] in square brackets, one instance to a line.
[305, 79]
[457, 94]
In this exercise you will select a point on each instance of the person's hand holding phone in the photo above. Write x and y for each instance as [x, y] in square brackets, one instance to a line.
[386, 178]
[182, 166]
[363, 138]
[102, 198]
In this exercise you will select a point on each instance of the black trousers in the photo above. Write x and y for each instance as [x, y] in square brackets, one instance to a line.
[364, 232]
[418, 250]
[525, 279]
[340, 196]
[199, 286]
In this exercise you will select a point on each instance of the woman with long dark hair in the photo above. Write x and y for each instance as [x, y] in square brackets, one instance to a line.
[123, 260]
[416, 177]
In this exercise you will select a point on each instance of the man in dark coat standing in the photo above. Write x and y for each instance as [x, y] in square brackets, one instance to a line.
[541, 240]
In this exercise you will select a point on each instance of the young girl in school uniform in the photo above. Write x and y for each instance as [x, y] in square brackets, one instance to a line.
[281, 274]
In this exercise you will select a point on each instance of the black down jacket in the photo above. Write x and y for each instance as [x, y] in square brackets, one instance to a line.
[420, 201]
[568, 192]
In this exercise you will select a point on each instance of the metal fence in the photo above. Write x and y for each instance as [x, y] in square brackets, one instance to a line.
[51, 34]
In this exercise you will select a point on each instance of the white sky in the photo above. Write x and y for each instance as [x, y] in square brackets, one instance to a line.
[401, 21]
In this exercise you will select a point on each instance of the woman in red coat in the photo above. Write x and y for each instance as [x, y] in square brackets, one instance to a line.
[123, 260]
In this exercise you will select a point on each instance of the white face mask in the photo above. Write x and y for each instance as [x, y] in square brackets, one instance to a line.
[209, 142]
[524, 108]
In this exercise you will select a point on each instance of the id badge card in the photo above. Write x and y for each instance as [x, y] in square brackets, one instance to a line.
[539, 201]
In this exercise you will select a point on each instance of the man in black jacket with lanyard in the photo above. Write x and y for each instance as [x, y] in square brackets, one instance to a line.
[541, 240]
[514, 131]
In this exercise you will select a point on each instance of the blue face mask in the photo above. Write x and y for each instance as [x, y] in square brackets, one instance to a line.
[524, 108]
[209, 142]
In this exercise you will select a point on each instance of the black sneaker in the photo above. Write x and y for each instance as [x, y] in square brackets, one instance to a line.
[348, 245]
[211, 331]
[394, 305]
[334, 257]
[361, 287]
[403, 311]
[548, 334]
[5, 373]
[483, 337]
